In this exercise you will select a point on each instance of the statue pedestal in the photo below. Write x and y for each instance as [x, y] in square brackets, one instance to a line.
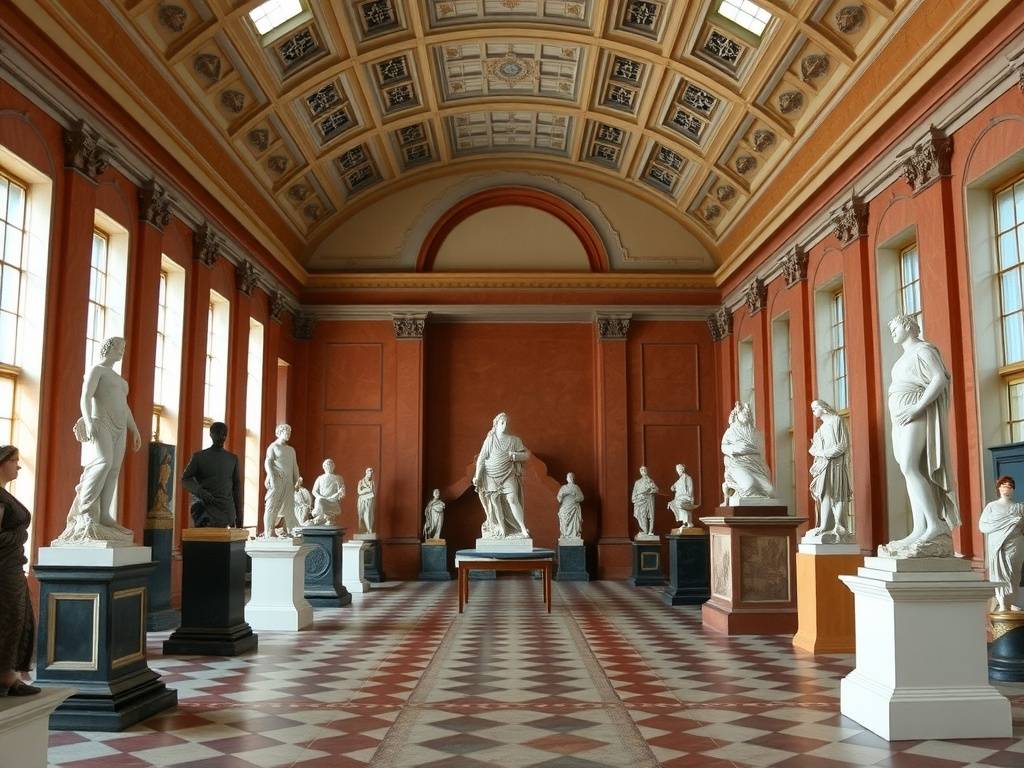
[824, 605]
[1006, 651]
[647, 562]
[24, 732]
[276, 598]
[504, 545]
[572, 561]
[92, 636]
[689, 574]
[323, 587]
[158, 536]
[372, 569]
[352, 564]
[753, 571]
[212, 595]
[921, 665]
[434, 561]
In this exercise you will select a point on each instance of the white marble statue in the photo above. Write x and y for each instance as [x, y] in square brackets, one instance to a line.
[918, 407]
[328, 491]
[746, 475]
[1002, 522]
[303, 503]
[366, 501]
[282, 474]
[433, 517]
[831, 488]
[644, 490]
[682, 503]
[570, 514]
[106, 422]
[498, 480]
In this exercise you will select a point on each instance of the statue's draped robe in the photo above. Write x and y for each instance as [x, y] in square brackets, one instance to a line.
[1003, 525]
[745, 470]
[501, 476]
[570, 514]
[830, 470]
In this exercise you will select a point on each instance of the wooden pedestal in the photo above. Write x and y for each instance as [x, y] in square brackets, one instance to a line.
[753, 571]
[824, 604]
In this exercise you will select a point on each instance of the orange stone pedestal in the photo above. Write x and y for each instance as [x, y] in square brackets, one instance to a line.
[824, 603]
[753, 571]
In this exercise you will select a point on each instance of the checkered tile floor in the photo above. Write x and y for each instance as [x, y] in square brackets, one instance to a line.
[613, 677]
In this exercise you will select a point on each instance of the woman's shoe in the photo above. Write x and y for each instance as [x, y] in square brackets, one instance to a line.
[21, 688]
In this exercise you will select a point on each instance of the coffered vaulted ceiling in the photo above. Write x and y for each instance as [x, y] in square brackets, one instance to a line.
[351, 100]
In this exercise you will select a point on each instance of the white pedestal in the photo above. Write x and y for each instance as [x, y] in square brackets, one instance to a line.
[24, 726]
[922, 669]
[352, 566]
[504, 545]
[816, 548]
[278, 584]
[85, 556]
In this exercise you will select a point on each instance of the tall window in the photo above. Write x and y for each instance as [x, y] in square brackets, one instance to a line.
[1009, 203]
[910, 283]
[13, 205]
[253, 423]
[837, 353]
[746, 373]
[108, 271]
[96, 325]
[167, 376]
[216, 392]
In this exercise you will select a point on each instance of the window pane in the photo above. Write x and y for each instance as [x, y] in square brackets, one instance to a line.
[1017, 432]
[1004, 210]
[1007, 246]
[1010, 282]
[1016, 389]
[12, 246]
[1013, 338]
[3, 197]
[16, 205]
[9, 289]
[8, 338]
[1018, 196]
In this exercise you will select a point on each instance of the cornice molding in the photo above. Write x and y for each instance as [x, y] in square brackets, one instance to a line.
[544, 281]
[503, 313]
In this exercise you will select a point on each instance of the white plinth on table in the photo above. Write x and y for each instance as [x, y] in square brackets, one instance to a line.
[352, 566]
[24, 726]
[922, 662]
[92, 556]
[277, 598]
[504, 545]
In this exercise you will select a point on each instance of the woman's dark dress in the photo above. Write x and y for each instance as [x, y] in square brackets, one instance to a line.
[17, 626]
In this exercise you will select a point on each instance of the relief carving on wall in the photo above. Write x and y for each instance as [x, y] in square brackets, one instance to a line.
[205, 246]
[720, 323]
[756, 295]
[409, 326]
[82, 150]
[611, 328]
[764, 569]
[721, 566]
[793, 265]
[850, 221]
[303, 324]
[928, 160]
[154, 205]
[246, 276]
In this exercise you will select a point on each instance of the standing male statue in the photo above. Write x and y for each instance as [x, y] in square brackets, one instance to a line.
[282, 474]
[498, 481]
[642, 497]
[212, 478]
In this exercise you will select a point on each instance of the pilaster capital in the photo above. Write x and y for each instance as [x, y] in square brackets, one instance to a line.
[83, 151]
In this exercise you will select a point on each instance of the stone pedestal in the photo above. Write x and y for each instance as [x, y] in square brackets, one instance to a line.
[158, 536]
[1006, 651]
[824, 605]
[434, 560]
[24, 731]
[753, 571]
[921, 664]
[373, 571]
[689, 571]
[212, 594]
[647, 563]
[276, 599]
[352, 564]
[92, 636]
[572, 561]
[323, 587]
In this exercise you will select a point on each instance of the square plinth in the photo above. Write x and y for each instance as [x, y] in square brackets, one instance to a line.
[572, 563]
[323, 584]
[434, 561]
[824, 604]
[647, 570]
[689, 569]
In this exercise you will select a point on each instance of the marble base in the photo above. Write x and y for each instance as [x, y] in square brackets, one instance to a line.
[213, 564]
[647, 564]
[824, 605]
[572, 562]
[160, 615]
[1006, 651]
[24, 727]
[92, 636]
[372, 568]
[689, 569]
[921, 664]
[276, 599]
[323, 586]
[434, 561]
[352, 565]
[94, 557]
[504, 545]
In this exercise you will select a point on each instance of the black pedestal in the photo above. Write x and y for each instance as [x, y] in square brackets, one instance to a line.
[323, 587]
[647, 564]
[434, 562]
[92, 636]
[212, 595]
[689, 569]
[372, 569]
[572, 563]
[1006, 651]
[160, 616]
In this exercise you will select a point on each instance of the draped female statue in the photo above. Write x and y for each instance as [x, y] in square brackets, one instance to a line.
[830, 477]
[570, 514]
[106, 423]
[746, 474]
[1002, 521]
[433, 517]
[498, 480]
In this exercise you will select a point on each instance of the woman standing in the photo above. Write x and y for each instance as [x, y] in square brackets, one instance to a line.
[17, 627]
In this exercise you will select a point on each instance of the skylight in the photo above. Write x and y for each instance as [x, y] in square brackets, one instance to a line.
[273, 13]
[748, 15]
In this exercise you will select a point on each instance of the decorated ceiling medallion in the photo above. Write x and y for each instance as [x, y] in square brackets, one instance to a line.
[663, 170]
[723, 48]
[299, 49]
[698, 99]
[850, 18]
[358, 170]
[745, 164]
[298, 192]
[711, 212]
[233, 101]
[568, 13]
[377, 17]
[763, 139]
[278, 164]
[626, 70]
[323, 99]
[814, 66]
[725, 193]
[259, 138]
[207, 65]
[393, 69]
[512, 70]
[173, 17]
[790, 101]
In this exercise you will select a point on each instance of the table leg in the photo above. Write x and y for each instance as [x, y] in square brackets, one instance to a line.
[547, 583]
[466, 585]
[462, 575]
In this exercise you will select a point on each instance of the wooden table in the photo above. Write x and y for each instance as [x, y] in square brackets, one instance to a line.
[503, 564]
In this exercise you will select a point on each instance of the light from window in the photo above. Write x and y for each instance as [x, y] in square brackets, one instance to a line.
[8, 387]
[748, 15]
[253, 421]
[96, 324]
[13, 198]
[161, 341]
[1010, 249]
[167, 373]
[840, 390]
[910, 283]
[215, 391]
[273, 13]
[1015, 391]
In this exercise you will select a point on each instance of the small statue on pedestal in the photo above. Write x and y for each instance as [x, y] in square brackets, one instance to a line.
[570, 514]
[1002, 521]
[366, 500]
[282, 475]
[644, 490]
[433, 517]
[498, 480]
[212, 478]
[303, 503]
[682, 503]
[746, 474]
[830, 477]
[328, 491]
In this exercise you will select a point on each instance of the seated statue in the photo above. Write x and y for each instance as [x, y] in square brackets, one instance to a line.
[682, 503]
[746, 474]
[328, 491]
[303, 503]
